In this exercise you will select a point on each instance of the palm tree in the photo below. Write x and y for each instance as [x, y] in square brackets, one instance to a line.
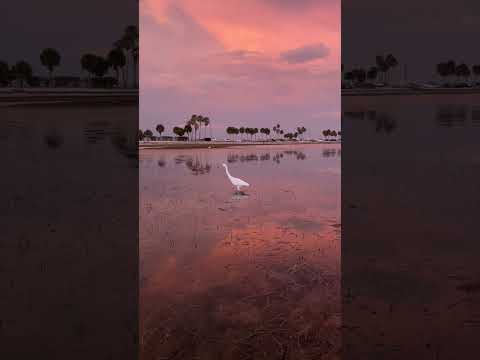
[124, 45]
[160, 129]
[4, 72]
[50, 58]
[188, 129]
[194, 123]
[326, 133]
[131, 33]
[247, 130]
[148, 133]
[88, 62]
[451, 67]
[277, 130]
[349, 77]
[23, 71]
[101, 67]
[230, 130]
[179, 131]
[267, 131]
[359, 75]
[381, 65]
[140, 135]
[129, 42]
[206, 122]
[476, 71]
[241, 131]
[372, 73]
[443, 70]
[116, 59]
[200, 122]
[391, 62]
[462, 70]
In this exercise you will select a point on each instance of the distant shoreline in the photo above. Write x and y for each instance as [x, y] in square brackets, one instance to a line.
[160, 145]
[82, 96]
[409, 91]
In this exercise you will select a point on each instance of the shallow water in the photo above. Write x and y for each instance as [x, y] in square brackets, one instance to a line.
[68, 214]
[410, 250]
[232, 276]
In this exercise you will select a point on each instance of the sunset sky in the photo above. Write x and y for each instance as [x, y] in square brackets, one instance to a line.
[240, 62]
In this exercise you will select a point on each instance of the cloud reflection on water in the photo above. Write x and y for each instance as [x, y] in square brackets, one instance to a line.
[222, 268]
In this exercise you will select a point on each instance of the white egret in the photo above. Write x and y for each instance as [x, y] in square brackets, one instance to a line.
[238, 183]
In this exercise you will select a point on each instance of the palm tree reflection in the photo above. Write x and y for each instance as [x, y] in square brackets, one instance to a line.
[195, 165]
[383, 123]
[298, 155]
[451, 115]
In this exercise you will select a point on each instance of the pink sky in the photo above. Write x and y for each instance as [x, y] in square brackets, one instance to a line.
[240, 62]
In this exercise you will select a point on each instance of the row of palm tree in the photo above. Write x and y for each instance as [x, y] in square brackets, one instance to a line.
[329, 134]
[231, 130]
[450, 69]
[383, 64]
[125, 51]
[21, 71]
[277, 129]
[194, 124]
[124, 55]
[192, 128]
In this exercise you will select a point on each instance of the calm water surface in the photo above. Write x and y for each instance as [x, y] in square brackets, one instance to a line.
[410, 249]
[68, 214]
[229, 276]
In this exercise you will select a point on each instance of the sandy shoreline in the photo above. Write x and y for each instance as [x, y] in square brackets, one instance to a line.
[408, 91]
[58, 97]
[221, 144]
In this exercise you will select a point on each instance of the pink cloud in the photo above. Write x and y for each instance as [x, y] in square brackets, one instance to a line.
[235, 56]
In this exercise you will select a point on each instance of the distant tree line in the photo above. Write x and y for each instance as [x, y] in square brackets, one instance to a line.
[120, 59]
[192, 128]
[252, 132]
[450, 69]
[331, 134]
[378, 72]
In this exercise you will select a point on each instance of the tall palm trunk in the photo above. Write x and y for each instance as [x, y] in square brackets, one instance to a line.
[134, 69]
[126, 71]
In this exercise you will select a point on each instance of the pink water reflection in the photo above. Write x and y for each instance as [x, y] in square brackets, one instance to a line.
[234, 277]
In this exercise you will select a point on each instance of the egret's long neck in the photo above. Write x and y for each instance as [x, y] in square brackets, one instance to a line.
[228, 174]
